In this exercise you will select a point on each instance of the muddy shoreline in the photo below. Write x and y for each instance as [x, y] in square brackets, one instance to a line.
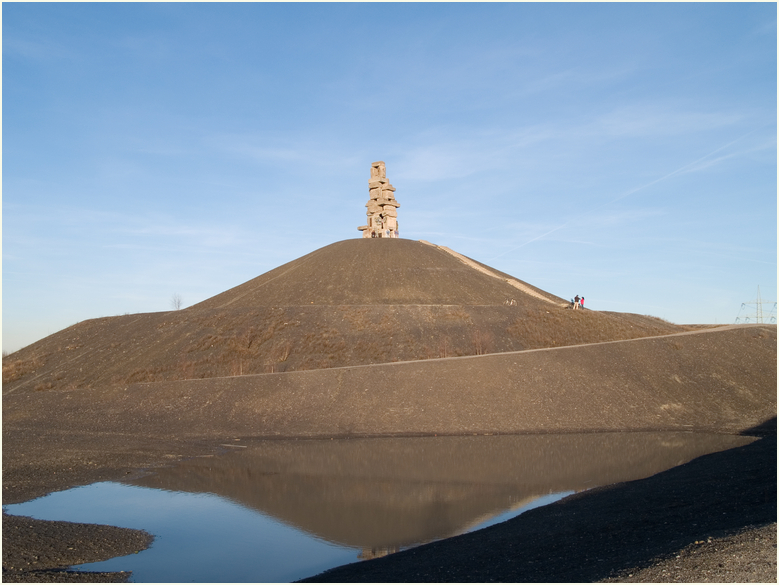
[713, 519]
[710, 520]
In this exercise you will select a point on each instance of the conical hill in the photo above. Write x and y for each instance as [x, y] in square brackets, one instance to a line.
[375, 272]
[355, 302]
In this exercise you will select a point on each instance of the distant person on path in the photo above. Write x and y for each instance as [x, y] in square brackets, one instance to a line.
[581, 303]
[576, 302]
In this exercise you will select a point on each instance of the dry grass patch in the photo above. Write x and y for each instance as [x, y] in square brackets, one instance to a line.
[483, 341]
[454, 314]
[13, 369]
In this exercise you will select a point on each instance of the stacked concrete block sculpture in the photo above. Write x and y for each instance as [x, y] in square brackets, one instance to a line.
[382, 206]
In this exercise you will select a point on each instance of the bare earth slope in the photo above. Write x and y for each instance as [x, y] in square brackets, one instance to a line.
[370, 272]
[354, 302]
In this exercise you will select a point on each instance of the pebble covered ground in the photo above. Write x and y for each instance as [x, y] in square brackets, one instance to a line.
[748, 556]
[37, 551]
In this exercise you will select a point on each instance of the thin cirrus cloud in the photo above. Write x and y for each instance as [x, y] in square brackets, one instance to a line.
[50, 228]
[291, 150]
[441, 155]
[654, 120]
[41, 50]
[445, 153]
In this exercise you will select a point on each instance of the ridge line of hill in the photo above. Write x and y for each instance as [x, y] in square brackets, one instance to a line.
[379, 272]
[513, 282]
[290, 267]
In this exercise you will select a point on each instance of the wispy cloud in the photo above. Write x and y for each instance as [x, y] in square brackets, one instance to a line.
[699, 164]
[594, 220]
[646, 120]
[443, 153]
[37, 49]
[268, 149]
[41, 227]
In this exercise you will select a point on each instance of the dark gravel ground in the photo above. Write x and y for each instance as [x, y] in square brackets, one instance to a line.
[749, 556]
[38, 551]
[711, 520]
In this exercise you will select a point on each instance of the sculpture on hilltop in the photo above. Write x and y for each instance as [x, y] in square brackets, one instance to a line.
[382, 207]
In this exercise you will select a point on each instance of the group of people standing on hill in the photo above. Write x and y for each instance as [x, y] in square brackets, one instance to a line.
[578, 302]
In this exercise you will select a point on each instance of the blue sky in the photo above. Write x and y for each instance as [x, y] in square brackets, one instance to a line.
[623, 152]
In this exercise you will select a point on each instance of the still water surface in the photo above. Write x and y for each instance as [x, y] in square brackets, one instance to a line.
[276, 511]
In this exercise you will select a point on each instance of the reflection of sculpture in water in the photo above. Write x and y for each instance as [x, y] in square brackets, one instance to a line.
[382, 206]
[375, 552]
[383, 495]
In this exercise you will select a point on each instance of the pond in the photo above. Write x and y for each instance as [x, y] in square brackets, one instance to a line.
[282, 510]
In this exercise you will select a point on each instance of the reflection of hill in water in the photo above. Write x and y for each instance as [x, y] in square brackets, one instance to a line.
[392, 492]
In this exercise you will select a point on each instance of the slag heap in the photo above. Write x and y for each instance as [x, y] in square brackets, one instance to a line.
[382, 207]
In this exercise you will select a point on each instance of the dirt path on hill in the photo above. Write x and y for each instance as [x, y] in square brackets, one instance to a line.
[484, 270]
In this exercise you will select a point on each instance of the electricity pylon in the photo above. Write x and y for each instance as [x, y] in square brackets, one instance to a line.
[757, 315]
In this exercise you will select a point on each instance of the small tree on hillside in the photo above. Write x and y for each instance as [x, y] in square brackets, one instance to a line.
[175, 301]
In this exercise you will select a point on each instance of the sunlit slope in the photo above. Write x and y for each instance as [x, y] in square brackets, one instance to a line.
[720, 380]
[355, 302]
[372, 272]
